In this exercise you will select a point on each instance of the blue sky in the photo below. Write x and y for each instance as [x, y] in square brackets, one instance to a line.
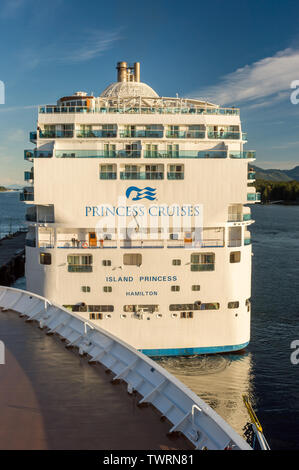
[241, 53]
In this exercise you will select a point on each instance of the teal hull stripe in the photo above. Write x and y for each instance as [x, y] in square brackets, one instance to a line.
[193, 351]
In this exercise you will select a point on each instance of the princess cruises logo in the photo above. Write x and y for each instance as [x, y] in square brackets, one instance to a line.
[145, 193]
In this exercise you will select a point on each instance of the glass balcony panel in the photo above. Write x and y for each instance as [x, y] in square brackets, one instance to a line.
[173, 175]
[121, 109]
[108, 176]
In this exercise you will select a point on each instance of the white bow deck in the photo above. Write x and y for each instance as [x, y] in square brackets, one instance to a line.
[187, 413]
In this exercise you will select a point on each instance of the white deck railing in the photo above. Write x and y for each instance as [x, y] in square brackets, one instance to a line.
[187, 413]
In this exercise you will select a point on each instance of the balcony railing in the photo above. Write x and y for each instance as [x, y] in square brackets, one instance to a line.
[235, 217]
[251, 175]
[245, 154]
[186, 134]
[45, 219]
[187, 154]
[56, 134]
[153, 134]
[135, 175]
[33, 136]
[251, 197]
[203, 267]
[97, 154]
[225, 135]
[26, 197]
[79, 268]
[28, 175]
[246, 217]
[175, 175]
[247, 241]
[95, 134]
[110, 175]
[29, 155]
[234, 243]
[50, 109]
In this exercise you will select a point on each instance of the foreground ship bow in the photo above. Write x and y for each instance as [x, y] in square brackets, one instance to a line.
[138, 218]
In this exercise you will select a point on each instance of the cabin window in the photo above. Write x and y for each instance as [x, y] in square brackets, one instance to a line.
[210, 306]
[79, 263]
[233, 304]
[175, 288]
[45, 258]
[176, 262]
[100, 308]
[132, 259]
[96, 316]
[85, 289]
[175, 172]
[186, 315]
[195, 287]
[235, 257]
[106, 262]
[108, 172]
[107, 289]
[202, 262]
[179, 307]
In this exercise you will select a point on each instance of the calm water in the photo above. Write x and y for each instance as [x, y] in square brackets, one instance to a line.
[12, 213]
[264, 370]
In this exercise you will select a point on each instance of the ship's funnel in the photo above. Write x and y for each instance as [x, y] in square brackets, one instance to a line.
[127, 73]
[121, 71]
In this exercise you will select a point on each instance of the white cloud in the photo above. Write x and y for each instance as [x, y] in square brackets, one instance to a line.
[80, 48]
[268, 78]
[96, 43]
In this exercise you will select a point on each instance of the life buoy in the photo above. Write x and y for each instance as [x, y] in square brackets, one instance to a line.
[85, 245]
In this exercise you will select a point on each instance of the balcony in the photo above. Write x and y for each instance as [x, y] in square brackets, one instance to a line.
[33, 136]
[246, 217]
[91, 134]
[153, 134]
[56, 134]
[203, 267]
[254, 197]
[28, 176]
[224, 135]
[251, 175]
[110, 175]
[248, 154]
[29, 155]
[124, 108]
[136, 175]
[186, 134]
[79, 268]
[187, 154]
[235, 217]
[175, 175]
[26, 196]
[97, 154]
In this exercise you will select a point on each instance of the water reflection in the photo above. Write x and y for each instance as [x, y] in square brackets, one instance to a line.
[220, 380]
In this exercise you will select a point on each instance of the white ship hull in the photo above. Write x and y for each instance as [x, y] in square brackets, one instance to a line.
[158, 288]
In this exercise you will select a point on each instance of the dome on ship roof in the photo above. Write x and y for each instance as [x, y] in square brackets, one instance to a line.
[126, 89]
